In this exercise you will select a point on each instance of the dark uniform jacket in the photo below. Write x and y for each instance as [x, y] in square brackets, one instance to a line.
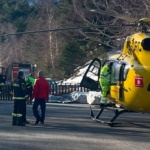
[19, 89]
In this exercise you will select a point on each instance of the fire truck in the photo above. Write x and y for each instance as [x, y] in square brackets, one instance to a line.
[26, 68]
[7, 74]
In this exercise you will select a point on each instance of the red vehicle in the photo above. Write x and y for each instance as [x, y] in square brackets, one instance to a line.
[26, 68]
[10, 73]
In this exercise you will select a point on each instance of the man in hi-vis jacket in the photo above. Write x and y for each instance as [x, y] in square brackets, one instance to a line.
[105, 78]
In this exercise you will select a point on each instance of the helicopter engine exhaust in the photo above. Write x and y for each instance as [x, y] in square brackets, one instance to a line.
[146, 44]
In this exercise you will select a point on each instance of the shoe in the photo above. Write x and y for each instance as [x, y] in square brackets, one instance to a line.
[14, 121]
[27, 122]
[21, 124]
[102, 105]
[36, 122]
[13, 124]
[42, 122]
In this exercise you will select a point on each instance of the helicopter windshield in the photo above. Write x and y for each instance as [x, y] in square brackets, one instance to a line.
[115, 72]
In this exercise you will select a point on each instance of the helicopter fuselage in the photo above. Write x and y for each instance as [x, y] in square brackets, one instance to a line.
[130, 83]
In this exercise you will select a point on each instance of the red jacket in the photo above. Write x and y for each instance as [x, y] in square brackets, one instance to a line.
[41, 89]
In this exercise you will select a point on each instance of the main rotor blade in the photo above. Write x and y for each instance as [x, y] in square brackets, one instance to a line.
[63, 29]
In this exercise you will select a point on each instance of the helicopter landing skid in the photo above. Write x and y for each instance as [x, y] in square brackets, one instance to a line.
[117, 111]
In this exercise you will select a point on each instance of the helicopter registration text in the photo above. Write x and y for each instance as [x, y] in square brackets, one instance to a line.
[139, 82]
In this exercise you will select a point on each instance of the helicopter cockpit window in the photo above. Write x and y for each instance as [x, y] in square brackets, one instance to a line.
[145, 44]
[115, 73]
[126, 69]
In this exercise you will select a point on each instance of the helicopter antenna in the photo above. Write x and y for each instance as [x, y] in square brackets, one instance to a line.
[68, 28]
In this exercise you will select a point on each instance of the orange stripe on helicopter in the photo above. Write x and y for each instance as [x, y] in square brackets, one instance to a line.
[115, 91]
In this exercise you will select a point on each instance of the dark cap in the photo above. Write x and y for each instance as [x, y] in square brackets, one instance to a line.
[20, 73]
[40, 73]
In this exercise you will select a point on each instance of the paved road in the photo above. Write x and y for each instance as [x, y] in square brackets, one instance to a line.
[69, 127]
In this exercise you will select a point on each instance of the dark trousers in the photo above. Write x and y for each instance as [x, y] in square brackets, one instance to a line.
[19, 112]
[30, 95]
[42, 103]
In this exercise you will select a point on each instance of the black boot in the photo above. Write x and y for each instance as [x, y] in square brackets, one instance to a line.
[20, 122]
[26, 122]
[14, 121]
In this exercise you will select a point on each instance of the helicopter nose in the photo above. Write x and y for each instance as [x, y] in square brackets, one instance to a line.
[146, 44]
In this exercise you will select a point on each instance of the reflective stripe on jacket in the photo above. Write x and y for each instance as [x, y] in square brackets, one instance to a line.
[19, 89]
[29, 85]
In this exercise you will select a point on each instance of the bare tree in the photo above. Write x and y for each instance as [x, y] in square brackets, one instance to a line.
[10, 47]
[51, 40]
[114, 12]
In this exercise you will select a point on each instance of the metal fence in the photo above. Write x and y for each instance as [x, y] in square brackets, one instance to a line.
[5, 92]
[59, 90]
[56, 90]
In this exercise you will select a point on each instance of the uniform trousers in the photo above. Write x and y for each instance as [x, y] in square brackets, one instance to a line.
[19, 112]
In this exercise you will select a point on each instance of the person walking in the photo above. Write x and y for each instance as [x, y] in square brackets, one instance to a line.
[29, 84]
[40, 95]
[105, 79]
[20, 96]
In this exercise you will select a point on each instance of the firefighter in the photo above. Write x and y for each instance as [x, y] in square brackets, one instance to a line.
[19, 96]
[29, 84]
[105, 76]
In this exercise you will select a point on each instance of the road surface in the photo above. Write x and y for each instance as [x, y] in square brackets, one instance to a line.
[69, 127]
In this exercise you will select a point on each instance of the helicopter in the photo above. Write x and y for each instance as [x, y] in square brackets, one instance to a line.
[130, 76]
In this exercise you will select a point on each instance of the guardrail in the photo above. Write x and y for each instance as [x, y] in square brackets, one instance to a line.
[56, 90]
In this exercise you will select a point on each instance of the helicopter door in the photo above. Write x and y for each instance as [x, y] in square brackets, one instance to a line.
[115, 77]
[119, 74]
[91, 77]
[123, 75]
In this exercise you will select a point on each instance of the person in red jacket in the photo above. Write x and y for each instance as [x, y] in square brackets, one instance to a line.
[40, 95]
